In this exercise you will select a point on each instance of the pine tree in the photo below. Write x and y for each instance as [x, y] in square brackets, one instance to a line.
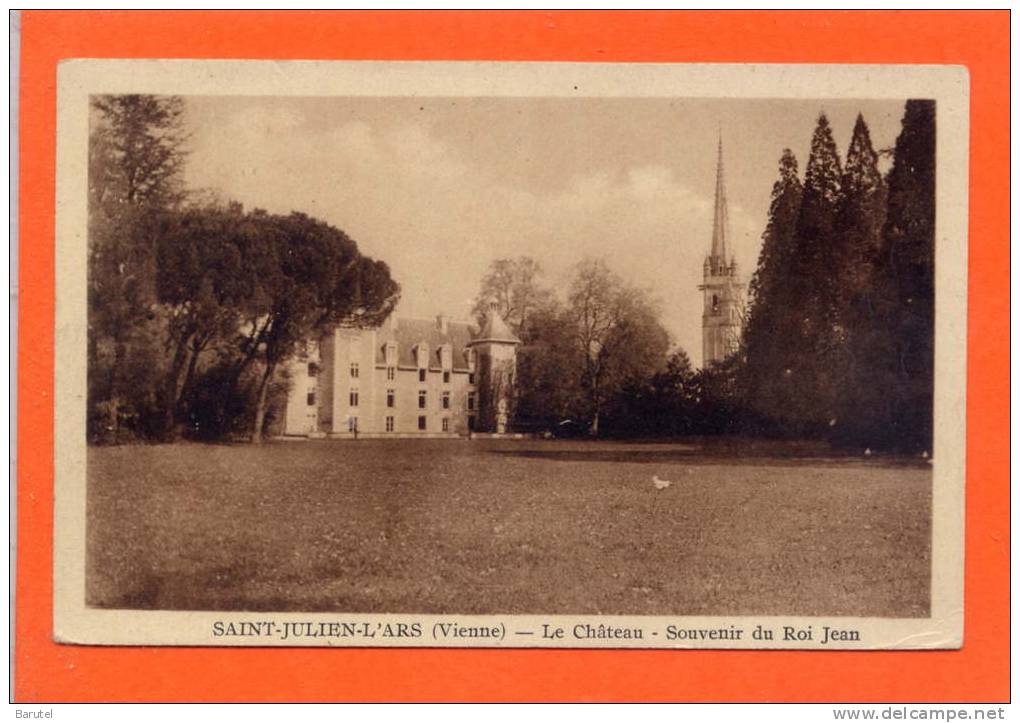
[814, 271]
[861, 213]
[859, 234]
[136, 155]
[906, 285]
[770, 318]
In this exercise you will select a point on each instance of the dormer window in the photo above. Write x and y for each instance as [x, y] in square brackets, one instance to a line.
[421, 353]
[446, 357]
[390, 353]
[469, 355]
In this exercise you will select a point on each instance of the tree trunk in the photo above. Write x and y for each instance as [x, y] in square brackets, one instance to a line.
[596, 404]
[197, 347]
[171, 392]
[260, 404]
[249, 357]
[120, 353]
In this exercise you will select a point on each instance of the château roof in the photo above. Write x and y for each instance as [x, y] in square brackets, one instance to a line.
[409, 333]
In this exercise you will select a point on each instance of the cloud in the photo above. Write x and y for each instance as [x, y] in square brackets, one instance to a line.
[439, 216]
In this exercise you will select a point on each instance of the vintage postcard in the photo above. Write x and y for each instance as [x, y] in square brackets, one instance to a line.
[510, 354]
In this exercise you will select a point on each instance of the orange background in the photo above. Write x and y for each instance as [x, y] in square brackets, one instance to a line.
[46, 672]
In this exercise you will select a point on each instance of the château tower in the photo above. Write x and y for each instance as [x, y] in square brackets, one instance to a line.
[723, 292]
[495, 348]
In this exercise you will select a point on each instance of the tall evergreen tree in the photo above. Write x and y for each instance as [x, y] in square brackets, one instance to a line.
[861, 214]
[902, 349]
[136, 154]
[859, 236]
[814, 272]
[770, 316]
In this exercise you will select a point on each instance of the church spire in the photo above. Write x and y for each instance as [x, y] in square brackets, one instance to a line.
[720, 321]
[720, 222]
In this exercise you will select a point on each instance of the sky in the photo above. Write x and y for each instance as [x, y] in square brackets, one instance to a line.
[440, 187]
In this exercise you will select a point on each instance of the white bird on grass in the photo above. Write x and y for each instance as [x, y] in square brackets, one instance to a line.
[660, 484]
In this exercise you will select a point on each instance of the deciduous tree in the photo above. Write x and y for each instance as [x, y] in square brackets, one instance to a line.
[615, 334]
[515, 286]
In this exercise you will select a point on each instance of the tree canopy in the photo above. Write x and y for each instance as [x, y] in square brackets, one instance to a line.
[840, 337]
[183, 293]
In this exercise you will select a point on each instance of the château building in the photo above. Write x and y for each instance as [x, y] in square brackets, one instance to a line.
[723, 292]
[408, 377]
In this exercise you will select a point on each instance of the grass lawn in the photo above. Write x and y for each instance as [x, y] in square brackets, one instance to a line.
[486, 526]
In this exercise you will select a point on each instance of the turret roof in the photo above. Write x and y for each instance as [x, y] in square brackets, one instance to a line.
[495, 329]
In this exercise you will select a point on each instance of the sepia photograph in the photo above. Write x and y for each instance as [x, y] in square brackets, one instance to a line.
[468, 367]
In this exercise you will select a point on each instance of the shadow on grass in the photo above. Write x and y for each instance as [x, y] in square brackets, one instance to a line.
[714, 452]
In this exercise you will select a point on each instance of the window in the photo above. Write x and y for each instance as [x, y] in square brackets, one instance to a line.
[446, 424]
[422, 395]
[446, 400]
[389, 424]
[446, 377]
[311, 398]
[354, 370]
[354, 397]
[391, 398]
[421, 375]
[471, 400]
[471, 378]
[313, 369]
[715, 302]
[391, 373]
[352, 424]
[471, 424]
[422, 422]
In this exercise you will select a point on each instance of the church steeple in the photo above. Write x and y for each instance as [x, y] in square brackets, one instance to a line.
[723, 291]
[720, 221]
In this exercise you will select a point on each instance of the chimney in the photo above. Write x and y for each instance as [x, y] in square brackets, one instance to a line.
[443, 323]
